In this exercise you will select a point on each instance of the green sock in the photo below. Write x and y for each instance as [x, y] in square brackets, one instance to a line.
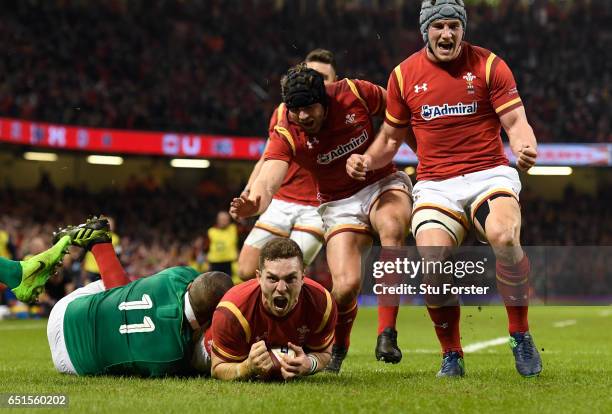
[10, 272]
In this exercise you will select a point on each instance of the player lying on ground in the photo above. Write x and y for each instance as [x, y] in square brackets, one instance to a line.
[27, 278]
[150, 327]
[279, 309]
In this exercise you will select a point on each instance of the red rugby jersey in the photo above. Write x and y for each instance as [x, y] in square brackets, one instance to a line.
[347, 130]
[241, 320]
[299, 185]
[453, 109]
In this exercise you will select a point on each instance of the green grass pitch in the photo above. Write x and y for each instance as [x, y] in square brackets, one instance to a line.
[575, 343]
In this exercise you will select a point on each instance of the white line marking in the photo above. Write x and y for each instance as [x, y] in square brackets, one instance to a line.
[607, 312]
[21, 327]
[423, 351]
[563, 324]
[477, 346]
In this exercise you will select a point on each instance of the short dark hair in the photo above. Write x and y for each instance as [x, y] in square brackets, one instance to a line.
[206, 291]
[280, 248]
[323, 56]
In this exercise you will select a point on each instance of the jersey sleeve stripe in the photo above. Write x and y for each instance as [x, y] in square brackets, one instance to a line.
[280, 111]
[287, 135]
[326, 342]
[227, 355]
[234, 309]
[507, 105]
[395, 120]
[328, 309]
[490, 60]
[355, 91]
[400, 80]
[379, 102]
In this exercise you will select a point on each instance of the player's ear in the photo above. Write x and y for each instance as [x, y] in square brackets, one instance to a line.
[257, 274]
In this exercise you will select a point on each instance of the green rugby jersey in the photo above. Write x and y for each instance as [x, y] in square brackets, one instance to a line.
[136, 329]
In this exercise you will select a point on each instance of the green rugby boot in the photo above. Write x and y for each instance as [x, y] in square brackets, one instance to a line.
[38, 269]
[94, 230]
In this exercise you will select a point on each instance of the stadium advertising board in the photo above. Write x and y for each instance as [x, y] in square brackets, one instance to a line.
[173, 144]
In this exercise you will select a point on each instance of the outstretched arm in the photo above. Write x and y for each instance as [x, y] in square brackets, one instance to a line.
[264, 187]
[253, 176]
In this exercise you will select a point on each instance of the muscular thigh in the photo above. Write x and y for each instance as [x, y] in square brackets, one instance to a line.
[345, 252]
[390, 215]
[500, 215]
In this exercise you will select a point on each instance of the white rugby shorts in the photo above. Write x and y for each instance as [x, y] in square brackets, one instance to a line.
[353, 213]
[299, 222]
[450, 204]
[55, 326]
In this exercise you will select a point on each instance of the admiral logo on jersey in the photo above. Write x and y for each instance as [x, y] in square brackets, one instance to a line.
[432, 112]
[343, 149]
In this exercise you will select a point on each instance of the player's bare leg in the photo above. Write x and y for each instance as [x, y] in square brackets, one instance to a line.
[390, 218]
[94, 235]
[445, 313]
[502, 230]
[344, 256]
[248, 262]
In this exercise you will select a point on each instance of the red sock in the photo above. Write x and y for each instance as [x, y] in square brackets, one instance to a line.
[446, 322]
[111, 271]
[387, 316]
[346, 317]
[513, 286]
[388, 305]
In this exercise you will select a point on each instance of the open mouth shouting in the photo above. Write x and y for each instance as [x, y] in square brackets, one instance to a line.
[308, 124]
[280, 303]
[445, 48]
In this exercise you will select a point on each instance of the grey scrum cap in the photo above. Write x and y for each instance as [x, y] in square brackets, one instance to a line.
[441, 9]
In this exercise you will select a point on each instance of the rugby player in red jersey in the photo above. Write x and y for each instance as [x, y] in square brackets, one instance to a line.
[279, 309]
[322, 126]
[293, 211]
[454, 98]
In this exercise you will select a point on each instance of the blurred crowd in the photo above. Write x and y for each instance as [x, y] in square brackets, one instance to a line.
[158, 228]
[214, 66]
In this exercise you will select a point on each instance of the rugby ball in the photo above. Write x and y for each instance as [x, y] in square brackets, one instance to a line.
[281, 352]
[276, 354]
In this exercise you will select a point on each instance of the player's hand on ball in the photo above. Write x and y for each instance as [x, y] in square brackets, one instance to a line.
[243, 207]
[259, 359]
[357, 166]
[295, 366]
[526, 157]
